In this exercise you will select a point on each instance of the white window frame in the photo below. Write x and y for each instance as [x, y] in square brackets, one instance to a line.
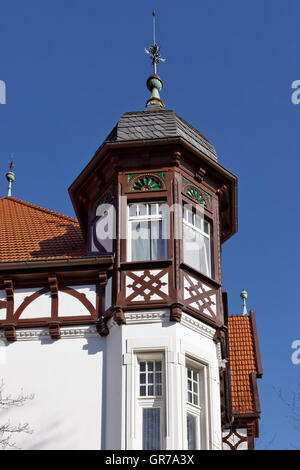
[150, 401]
[192, 226]
[200, 411]
[146, 218]
[147, 345]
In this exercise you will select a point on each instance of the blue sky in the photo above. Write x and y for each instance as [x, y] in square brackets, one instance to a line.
[73, 67]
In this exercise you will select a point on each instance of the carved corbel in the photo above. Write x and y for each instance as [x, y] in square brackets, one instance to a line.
[54, 329]
[118, 315]
[200, 173]
[176, 156]
[101, 327]
[222, 192]
[53, 285]
[9, 290]
[102, 279]
[176, 312]
[10, 332]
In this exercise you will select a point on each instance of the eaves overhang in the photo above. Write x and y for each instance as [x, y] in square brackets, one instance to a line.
[34, 271]
[77, 188]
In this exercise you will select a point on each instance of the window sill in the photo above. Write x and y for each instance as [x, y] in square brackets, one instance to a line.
[153, 264]
[203, 276]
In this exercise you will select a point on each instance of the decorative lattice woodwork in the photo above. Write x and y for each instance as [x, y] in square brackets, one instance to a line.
[200, 296]
[146, 286]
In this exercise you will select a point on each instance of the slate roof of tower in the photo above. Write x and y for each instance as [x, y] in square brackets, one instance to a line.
[159, 124]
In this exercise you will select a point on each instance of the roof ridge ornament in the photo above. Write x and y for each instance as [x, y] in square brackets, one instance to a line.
[154, 82]
[10, 176]
[244, 296]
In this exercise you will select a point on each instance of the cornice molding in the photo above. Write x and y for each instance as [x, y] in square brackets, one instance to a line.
[43, 333]
[150, 316]
[197, 326]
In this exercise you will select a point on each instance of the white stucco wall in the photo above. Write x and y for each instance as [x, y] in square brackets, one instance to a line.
[66, 377]
[83, 384]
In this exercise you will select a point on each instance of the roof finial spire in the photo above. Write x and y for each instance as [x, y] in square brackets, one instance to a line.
[10, 176]
[244, 296]
[154, 82]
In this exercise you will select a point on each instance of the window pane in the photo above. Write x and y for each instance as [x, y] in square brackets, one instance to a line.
[143, 209]
[142, 378]
[153, 209]
[150, 378]
[158, 366]
[198, 221]
[142, 366]
[140, 241]
[205, 256]
[191, 247]
[150, 390]
[158, 243]
[162, 208]
[133, 210]
[196, 250]
[150, 365]
[191, 431]
[151, 429]
[206, 227]
[143, 391]
[158, 378]
[158, 390]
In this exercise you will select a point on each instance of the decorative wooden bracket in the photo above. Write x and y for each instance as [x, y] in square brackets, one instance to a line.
[52, 279]
[9, 289]
[118, 315]
[200, 173]
[176, 156]
[53, 284]
[102, 279]
[176, 312]
[101, 327]
[54, 330]
[223, 193]
[10, 332]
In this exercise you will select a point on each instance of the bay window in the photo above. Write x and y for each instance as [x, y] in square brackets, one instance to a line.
[147, 231]
[196, 240]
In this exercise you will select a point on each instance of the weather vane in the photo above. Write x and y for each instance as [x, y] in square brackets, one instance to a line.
[153, 51]
[11, 162]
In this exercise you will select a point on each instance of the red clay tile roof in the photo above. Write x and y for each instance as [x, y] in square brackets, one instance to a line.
[29, 232]
[242, 363]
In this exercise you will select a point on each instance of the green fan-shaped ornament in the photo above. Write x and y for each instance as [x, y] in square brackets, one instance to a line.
[197, 195]
[146, 183]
